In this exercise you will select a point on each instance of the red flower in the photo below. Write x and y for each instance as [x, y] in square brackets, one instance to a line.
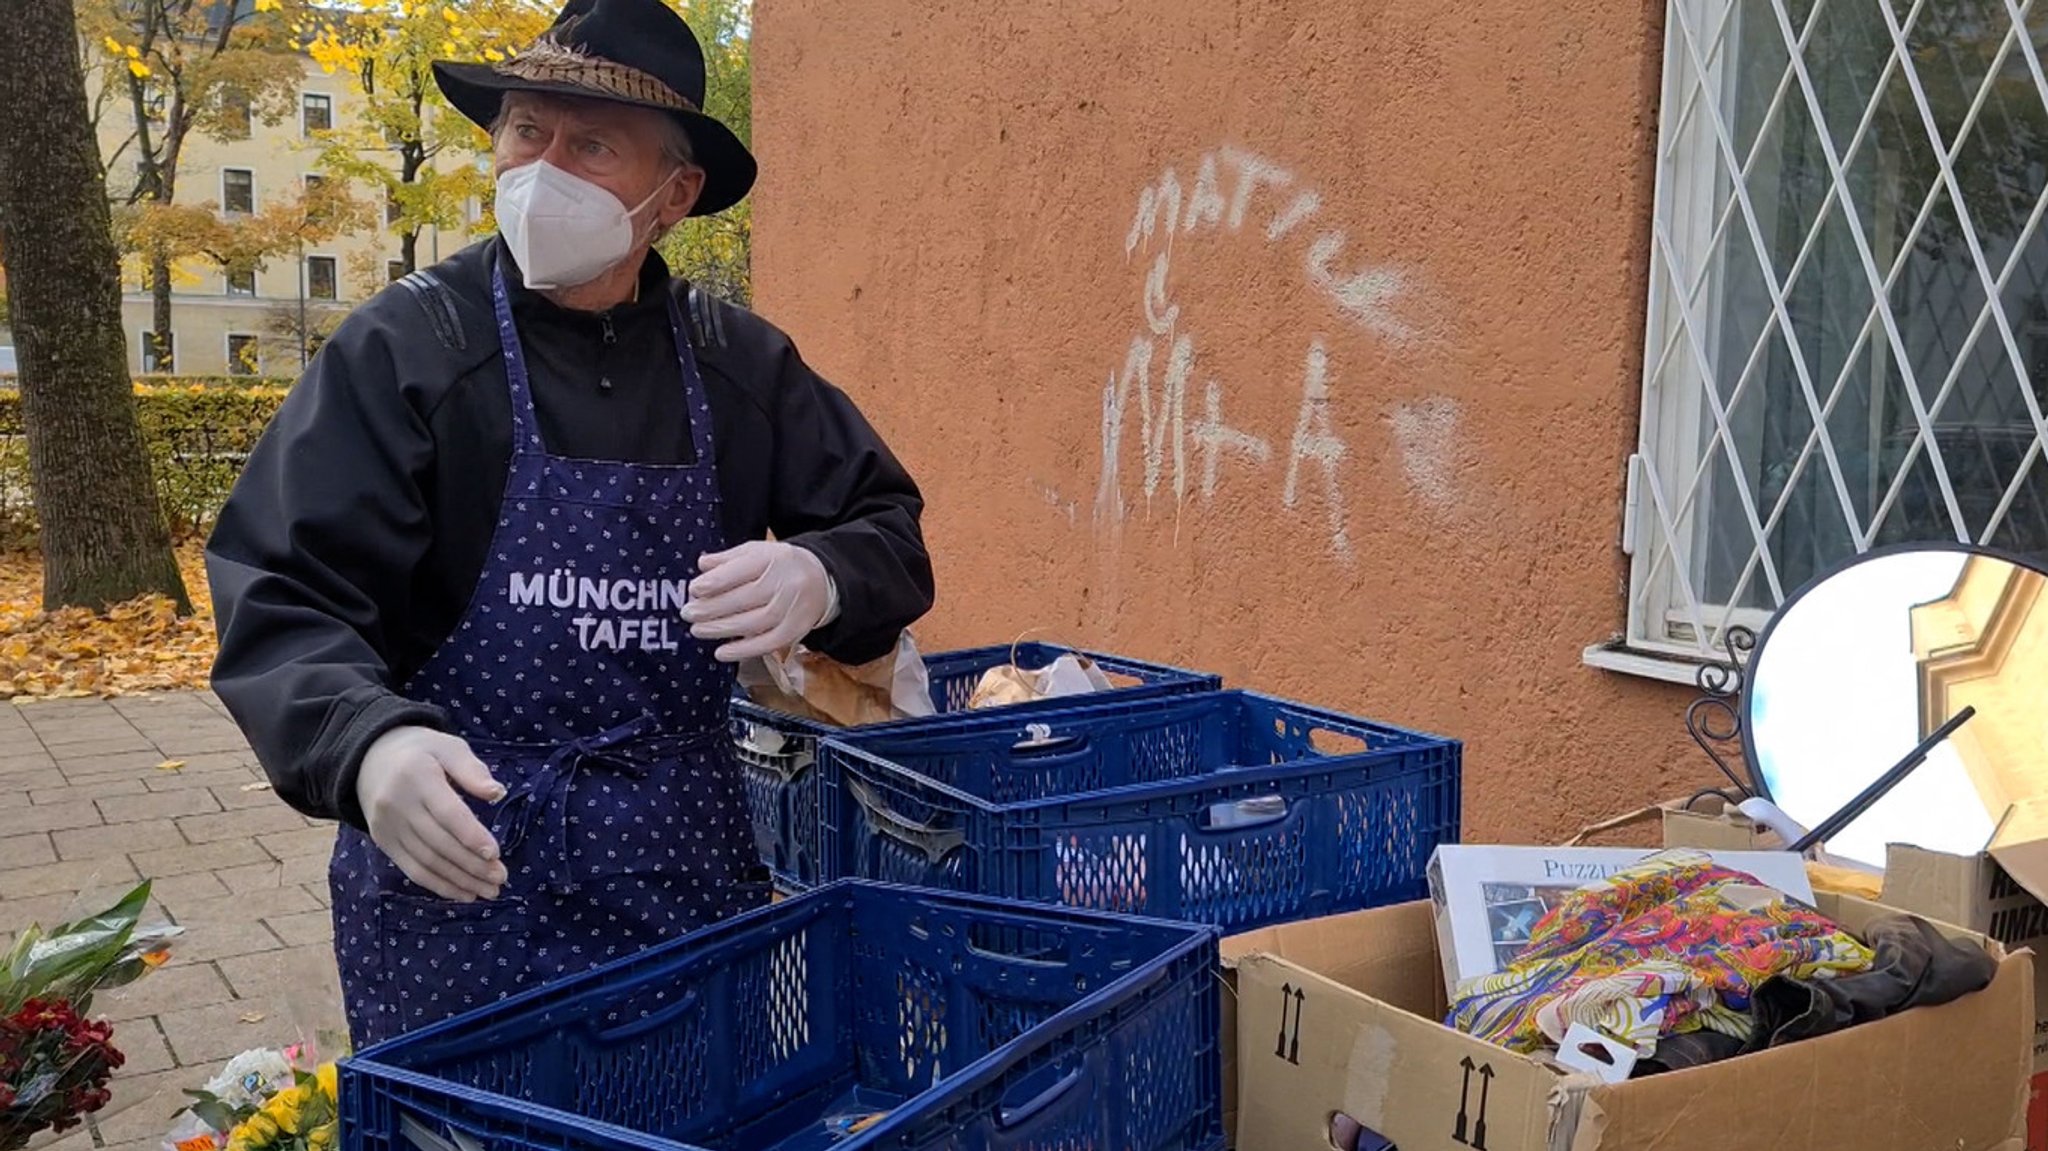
[48, 1038]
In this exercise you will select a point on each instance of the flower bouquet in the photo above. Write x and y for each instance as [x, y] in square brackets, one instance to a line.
[263, 1100]
[54, 1063]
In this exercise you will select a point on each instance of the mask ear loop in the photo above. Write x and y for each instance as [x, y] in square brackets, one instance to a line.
[659, 231]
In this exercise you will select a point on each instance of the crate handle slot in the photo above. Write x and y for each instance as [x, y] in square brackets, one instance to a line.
[1242, 814]
[791, 764]
[420, 1136]
[787, 757]
[1040, 743]
[653, 1021]
[1007, 1119]
[936, 843]
[752, 741]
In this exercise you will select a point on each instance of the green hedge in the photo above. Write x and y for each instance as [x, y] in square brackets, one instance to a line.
[199, 430]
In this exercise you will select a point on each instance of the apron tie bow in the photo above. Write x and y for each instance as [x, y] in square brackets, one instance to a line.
[543, 802]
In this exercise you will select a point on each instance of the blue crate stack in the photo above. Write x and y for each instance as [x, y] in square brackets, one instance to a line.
[777, 751]
[964, 1022]
[1015, 945]
[1227, 808]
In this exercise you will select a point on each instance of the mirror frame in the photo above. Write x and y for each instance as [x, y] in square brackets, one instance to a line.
[1758, 783]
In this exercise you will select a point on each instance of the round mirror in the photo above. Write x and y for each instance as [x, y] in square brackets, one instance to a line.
[1868, 663]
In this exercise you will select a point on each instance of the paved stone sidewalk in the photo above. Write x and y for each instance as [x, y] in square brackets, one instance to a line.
[87, 810]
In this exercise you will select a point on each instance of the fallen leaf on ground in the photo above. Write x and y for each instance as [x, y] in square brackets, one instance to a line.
[143, 645]
[171, 765]
[253, 1017]
[255, 787]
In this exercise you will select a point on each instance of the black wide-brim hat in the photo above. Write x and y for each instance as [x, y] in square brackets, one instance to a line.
[637, 52]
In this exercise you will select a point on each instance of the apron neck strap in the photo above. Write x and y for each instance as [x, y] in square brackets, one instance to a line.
[526, 436]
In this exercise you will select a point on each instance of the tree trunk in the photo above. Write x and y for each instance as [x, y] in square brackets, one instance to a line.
[159, 313]
[412, 156]
[103, 532]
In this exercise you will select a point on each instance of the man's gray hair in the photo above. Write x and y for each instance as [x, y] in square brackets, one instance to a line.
[675, 143]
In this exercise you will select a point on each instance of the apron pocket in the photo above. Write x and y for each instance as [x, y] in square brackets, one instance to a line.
[442, 958]
[685, 818]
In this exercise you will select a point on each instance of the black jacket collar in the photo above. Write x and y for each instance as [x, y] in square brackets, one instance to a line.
[530, 305]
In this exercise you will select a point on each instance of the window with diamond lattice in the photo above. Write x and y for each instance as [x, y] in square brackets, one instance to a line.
[1848, 322]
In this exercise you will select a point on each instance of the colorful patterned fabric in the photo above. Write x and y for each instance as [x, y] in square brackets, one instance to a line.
[1673, 944]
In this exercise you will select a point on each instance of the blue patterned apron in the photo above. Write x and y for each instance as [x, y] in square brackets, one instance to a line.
[575, 680]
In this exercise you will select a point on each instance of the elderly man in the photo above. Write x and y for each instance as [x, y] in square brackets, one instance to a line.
[483, 583]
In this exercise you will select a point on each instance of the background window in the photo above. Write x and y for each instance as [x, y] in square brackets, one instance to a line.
[245, 358]
[321, 279]
[394, 270]
[242, 283]
[318, 112]
[237, 191]
[1848, 325]
[392, 210]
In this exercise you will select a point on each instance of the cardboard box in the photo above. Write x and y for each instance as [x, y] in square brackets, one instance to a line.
[1342, 1015]
[1715, 825]
[1976, 892]
[1971, 891]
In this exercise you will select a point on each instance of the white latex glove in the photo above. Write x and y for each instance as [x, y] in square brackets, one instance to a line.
[407, 789]
[763, 597]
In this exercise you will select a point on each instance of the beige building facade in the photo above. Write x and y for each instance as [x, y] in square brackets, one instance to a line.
[249, 326]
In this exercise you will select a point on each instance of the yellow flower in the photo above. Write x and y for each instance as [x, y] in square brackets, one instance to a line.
[321, 1138]
[256, 1132]
[283, 1109]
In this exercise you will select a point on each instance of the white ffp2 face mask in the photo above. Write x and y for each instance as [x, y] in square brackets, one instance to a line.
[562, 229]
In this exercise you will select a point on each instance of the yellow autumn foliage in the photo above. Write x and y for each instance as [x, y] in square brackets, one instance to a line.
[143, 645]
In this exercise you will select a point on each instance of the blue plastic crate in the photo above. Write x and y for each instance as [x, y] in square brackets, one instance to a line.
[975, 1023]
[776, 750]
[1227, 808]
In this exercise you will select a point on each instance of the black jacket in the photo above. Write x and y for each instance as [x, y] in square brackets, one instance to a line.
[350, 545]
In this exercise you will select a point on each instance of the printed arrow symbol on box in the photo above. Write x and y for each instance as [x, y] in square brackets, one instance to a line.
[1464, 1095]
[1294, 1049]
[1479, 1128]
[1286, 1001]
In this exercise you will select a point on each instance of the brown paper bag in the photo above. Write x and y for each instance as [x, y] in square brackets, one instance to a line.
[1009, 684]
[806, 684]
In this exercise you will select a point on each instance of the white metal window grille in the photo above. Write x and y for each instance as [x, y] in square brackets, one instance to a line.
[1848, 315]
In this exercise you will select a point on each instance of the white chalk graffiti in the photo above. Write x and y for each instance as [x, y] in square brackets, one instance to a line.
[1366, 297]
[1426, 435]
[1314, 440]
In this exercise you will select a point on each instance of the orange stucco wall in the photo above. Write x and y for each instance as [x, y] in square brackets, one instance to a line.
[1391, 295]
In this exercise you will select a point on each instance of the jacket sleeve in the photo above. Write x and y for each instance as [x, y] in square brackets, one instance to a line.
[840, 492]
[315, 548]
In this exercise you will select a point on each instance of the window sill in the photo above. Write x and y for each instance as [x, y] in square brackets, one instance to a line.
[1618, 657]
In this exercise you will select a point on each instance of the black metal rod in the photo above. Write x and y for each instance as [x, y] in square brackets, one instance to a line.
[1832, 826]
